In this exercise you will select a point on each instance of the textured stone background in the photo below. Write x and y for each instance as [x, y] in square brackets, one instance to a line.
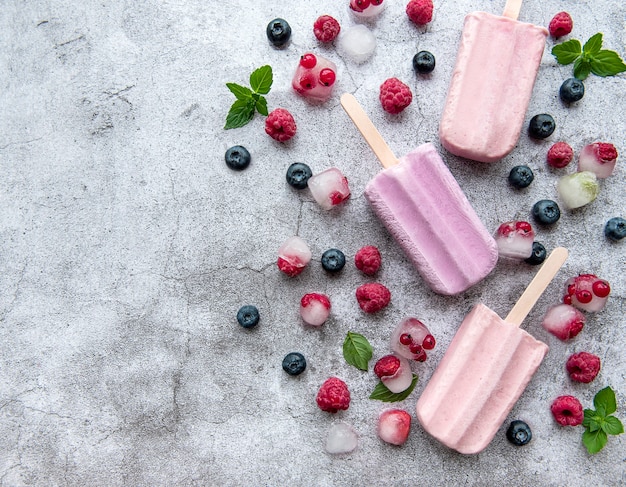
[127, 246]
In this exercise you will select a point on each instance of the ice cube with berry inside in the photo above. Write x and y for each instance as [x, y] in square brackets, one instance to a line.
[315, 77]
[394, 371]
[563, 321]
[366, 9]
[587, 292]
[394, 426]
[578, 189]
[515, 239]
[599, 158]
[411, 339]
[314, 308]
[293, 256]
[329, 188]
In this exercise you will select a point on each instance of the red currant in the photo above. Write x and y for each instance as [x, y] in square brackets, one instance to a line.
[601, 289]
[584, 296]
[308, 60]
[416, 348]
[567, 299]
[405, 339]
[429, 342]
[327, 76]
[307, 81]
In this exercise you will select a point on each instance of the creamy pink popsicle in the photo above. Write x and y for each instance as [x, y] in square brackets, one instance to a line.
[491, 85]
[485, 370]
[423, 207]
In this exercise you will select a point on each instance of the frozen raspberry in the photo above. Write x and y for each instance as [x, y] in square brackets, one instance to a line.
[395, 96]
[583, 367]
[293, 256]
[373, 297]
[333, 395]
[367, 260]
[560, 155]
[387, 365]
[420, 11]
[314, 308]
[599, 158]
[563, 321]
[326, 28]
[394, 426]
[561, 24]
[567, 411]
[587, 292]
[280, 125]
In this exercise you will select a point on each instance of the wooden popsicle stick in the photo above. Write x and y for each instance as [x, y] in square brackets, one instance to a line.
[512, 8]
[367, 129]
[537, 286]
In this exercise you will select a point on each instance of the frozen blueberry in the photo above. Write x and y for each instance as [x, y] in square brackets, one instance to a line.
[278, 32]
[521, 176]
[294, 363]
[423, 62]
[518, 433]
[237, 157]
[546, 212]
[248, 316]
[298, 175]
[615, 228]
[572, 90]
[538, 255]
[333, 260]
[541, 126]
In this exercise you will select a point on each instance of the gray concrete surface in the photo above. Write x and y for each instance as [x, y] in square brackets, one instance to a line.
[127, 247]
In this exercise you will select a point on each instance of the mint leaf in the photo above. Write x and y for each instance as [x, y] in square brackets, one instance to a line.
[567, 52]
[382, 393]
[594, 44]
[261, 80]
[241, 112]
[605, 399]
[592, 420]
[240, 92]
[612, 426]
[594, 441]
[582, 68]
[357, 350]
[607, 63]
[261, 106]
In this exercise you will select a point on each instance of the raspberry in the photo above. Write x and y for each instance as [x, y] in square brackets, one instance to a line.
[280, 125]
[333, 395]
[583, 367]
[292, 270]
[367, 260]
[386, 366]
[395, 96]
[561, 24]
[606, 152]
[373, 297]
[420, 11]
[567, 411]
[326, 28]
[560, 155]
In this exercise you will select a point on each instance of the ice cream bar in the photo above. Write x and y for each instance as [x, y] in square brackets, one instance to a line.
[485, 370]
[491, 85]
[425, 210]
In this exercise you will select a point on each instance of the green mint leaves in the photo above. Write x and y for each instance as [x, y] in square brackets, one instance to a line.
[249, 99]
[357, 350]
[590, 58]
[599, 423]
[381, 393]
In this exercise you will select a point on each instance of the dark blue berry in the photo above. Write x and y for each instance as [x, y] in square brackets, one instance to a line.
[541, 126]
[333, 260]
[519, 433]
[539, 254]
[237, 158]
[423, 62]
[294, 363]
[298, 175]
[572, 90]
[278, 32]
[615, 228]
[546, 212]
[248, 316]
[521, 177]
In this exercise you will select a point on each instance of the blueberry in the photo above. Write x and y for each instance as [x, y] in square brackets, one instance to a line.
[541, 126]
[423, 62]
[333, 260]
[615, 228]
[278, 32]
[248, 316]
[539, 254]
[298, 175]
[521, 176]
[294, 363]
[572, 90]
[546, 212]
[518, 433]
[237, 158]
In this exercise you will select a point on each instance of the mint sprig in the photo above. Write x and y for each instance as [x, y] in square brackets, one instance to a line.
[357, 350]
[590, 58]
[600, 423]
[249, 99]
[382, 393]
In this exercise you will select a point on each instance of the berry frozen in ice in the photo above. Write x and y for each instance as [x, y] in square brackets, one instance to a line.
[293, 256]
[411, 338]
[333, 395]
[294, 363]
[578, 189]
[373, 297]
[561, 24]
[599, 158]
[515, 239]
[298, 175]
[420, 11]
[541, 126]
[560, 155]
[341, 439]
[572, 90]
[394, 95]
[367, 9]
[587, 292]
[539, 254]
[248, 316]
[368, 260]
[329, 188]
[357, 43]
[333, 260]
[546, 212]
[518, 433]
[424, 62]
[615, 229]
[315, 77]
[563, 321]
[394, 426]
[394, 372]
[567, 411]
[237, 157]
[314, 308]
[583, 367]
[280, 125]
[521, 176]
[278, 32]
[326, 28]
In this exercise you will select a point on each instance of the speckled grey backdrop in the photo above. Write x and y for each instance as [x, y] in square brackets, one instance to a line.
[127, 246]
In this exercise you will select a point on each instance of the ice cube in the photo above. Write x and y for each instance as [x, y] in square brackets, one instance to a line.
[341, 439]
[515, 239]
[293, 256]
[411, 339]
[371, 10]
[315, 77]
[357, 43]
[329, 188]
